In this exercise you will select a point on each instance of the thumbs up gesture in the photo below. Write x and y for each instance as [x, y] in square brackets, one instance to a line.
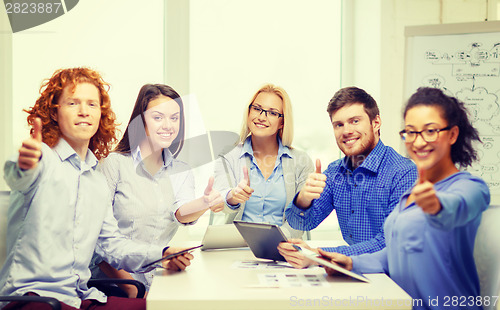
[212, 198]
[425, 194]
[242, 191]
[31, 149]
[315, 184]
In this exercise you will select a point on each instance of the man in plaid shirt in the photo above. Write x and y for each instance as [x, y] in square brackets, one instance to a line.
[363, 187]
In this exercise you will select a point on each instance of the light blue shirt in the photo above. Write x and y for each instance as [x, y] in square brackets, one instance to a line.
[59, 213]
[431, 256]
[143, 204]
[267, 203]
[296, 167]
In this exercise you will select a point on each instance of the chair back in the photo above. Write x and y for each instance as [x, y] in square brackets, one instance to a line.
[487, 255]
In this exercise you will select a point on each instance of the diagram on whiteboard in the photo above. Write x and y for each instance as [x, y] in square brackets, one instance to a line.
[468, 68]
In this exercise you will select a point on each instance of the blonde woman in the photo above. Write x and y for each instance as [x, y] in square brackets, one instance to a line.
[263, 173]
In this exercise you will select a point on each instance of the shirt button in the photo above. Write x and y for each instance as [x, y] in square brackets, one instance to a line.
[350, 235]
[352, 211]
[301, 213]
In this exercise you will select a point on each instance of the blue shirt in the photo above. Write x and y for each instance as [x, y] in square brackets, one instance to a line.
[59, 213]
[362, 198]
[267, 203]
[431, 256]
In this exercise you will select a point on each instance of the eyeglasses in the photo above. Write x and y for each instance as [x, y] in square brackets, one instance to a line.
[269, 113]
[429, 135]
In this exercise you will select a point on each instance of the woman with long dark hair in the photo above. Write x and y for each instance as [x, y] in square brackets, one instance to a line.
[152, 191]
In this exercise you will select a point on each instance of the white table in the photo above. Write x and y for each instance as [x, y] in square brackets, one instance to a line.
[212, 283]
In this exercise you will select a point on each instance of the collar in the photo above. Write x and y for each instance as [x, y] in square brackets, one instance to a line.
[66, 152]
[372, 161]
[247, 148]
[137, 157]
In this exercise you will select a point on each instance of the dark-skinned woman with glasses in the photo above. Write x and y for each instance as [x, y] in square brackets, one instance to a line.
[263, 173]
[430, 234]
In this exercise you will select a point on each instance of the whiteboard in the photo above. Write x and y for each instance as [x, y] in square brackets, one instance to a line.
[464, 61]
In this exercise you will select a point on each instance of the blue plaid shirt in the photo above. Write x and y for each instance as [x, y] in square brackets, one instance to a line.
[362, 198]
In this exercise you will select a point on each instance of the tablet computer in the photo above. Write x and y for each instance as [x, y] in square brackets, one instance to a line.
[222, 237]
[263, 239]
[171, 256]
[317, 258]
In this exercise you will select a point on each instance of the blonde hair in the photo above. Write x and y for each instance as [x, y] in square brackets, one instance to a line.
[285, 133]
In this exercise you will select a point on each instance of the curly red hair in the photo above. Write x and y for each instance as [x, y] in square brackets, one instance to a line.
[46, 106]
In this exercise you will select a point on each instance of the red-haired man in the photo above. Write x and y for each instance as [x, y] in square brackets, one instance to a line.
[58, 213]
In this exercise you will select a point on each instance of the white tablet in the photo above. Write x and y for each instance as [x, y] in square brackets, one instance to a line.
[317, 258]
[222, 237]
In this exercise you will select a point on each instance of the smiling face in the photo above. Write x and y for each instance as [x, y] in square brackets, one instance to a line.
[430, 155]
[79, 114]
[162, 119]
[355, 133]
[261, 125]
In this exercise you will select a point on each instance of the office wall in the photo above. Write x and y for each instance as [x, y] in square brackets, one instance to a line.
[373, 46]
[5, 91]
[373, 29]
[236, 46]
[5, 126]
[233, 47]
[395, 16]
[123, 41]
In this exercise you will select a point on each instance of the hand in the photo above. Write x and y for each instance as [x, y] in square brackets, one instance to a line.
[425, 194]
[294, 257]
[130, 290]
[336, 258]
[31, 149]
[212, 198]
[315, 184]
[111, 272]
[179, 262]
[242, 191]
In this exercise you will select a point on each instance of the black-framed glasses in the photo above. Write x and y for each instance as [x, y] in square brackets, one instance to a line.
[269, 113]
[429, 135]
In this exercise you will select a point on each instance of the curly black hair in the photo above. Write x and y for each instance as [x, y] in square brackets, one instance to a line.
[456, 114]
